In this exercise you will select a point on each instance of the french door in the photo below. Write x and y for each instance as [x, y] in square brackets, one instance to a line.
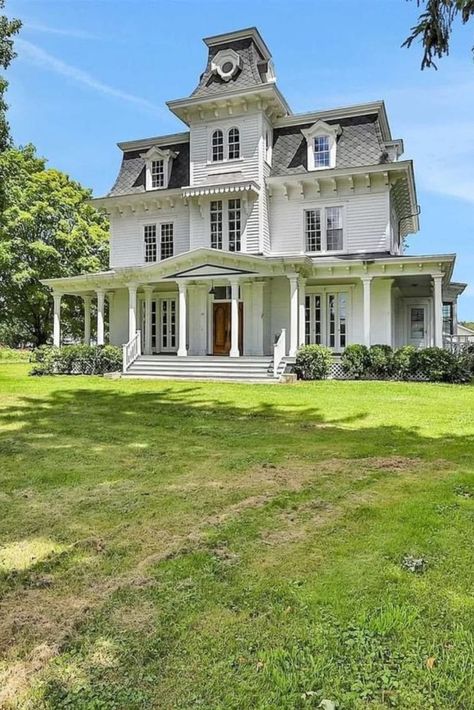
[163, 325]
[326, 319]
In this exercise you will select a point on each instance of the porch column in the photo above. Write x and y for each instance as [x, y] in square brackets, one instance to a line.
[293, 279]
[367, 281]
[302, 312]
[438, 309]
[100, 316]
[234, 318]
[132, 310]
[182, 307]
[148, 296]
[257, 307]
[87, 319]
[57, 318]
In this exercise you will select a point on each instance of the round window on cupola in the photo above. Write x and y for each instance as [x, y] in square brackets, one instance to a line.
[226, 64]
[227, 67]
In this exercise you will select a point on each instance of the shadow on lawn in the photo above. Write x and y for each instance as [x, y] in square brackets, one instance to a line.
[82, 438]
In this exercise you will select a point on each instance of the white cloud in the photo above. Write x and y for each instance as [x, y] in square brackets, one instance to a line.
[40, 58]
[63, 32]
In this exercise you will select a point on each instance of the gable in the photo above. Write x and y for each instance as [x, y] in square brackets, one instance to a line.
[209, 269]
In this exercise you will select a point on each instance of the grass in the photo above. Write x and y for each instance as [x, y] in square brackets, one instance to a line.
[231, 547]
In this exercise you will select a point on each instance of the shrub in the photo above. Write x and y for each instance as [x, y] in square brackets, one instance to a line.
[380, 361]
[355, 361]
[403, 361]
[313, 362]
[76, 360]
[14, 355]
[439, 365]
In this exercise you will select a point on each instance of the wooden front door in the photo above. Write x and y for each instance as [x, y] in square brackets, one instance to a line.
[222, 328]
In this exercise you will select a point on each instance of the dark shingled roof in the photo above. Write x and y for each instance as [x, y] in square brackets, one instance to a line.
[251, 74]
[360, 143]
[131, 178]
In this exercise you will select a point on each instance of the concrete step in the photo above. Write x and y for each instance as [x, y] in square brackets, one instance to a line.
[243, 369]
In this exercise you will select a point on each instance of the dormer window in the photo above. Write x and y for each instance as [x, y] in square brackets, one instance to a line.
[157, 174]
[158, 164]
[321, 139]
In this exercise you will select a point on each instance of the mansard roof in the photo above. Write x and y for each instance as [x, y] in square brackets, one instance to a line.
[131, 178]
[254, 58]
[359, 143]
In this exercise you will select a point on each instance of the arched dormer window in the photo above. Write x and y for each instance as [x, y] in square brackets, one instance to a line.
[321, 139]
[217, 146]
[233, 143]
[158, 163]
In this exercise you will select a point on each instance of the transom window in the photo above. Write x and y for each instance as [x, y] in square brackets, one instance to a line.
[217, 146]
[226, 224]
[322, 157]
[150, 234]
[157, 171]
[225, 145]
[150, 243]
[167, 241]
[324, 229]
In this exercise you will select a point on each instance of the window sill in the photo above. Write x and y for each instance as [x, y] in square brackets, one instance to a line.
[330, 252]
[217, 163]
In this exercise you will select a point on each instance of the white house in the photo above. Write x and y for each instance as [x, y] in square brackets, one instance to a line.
[257, 226]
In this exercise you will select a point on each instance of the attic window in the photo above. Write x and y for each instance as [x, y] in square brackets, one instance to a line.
[226, 63]
[158, 164]
[321, 140]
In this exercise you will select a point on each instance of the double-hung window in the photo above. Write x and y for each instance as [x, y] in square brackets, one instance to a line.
[217, 146]
[448, 320]
[226, 224]
[322, 152]
[150, 243]
[324, 229]
[166, 241]
[157, 172]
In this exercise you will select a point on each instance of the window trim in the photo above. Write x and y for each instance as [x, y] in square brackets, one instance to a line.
[155, 153]
[225, 133]
[323, 208]
[158, 224]
[317, 130]
[225, 224]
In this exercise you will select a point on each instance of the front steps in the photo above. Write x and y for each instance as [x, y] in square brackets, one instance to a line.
[242, 369]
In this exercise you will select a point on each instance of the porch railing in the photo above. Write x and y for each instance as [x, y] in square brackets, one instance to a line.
[457, 343]
[131, 351]
[279, 351]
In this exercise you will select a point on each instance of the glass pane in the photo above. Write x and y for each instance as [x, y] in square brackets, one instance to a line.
[332, 320]
[417, 323]
[342, 319]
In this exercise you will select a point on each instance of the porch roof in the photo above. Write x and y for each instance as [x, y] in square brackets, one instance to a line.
[209, 263]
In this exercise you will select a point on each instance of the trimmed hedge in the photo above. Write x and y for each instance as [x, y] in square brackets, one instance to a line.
[76, 360]
[407, 363]
[313, 362]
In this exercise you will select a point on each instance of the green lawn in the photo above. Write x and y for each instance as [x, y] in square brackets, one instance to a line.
[235, 547]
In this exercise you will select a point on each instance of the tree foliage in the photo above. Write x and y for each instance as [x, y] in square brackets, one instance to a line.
[47, 229]
[8, 29]
[434, 27]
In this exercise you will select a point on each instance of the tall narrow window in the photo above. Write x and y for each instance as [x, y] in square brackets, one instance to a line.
[167, 241]
[332, 320]
[216, 224]
[334, 228]
[150, 242]
[234, 225]
[322, 156]
[217, 146]
[157, 171]
[448, 325]
[313, 230]
[234, 143]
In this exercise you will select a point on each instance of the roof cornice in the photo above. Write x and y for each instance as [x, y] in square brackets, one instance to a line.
[377, 107]
[156, 140]
[251, 32]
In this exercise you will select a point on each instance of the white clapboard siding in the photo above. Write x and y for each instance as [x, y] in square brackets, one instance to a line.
[366, 221]
[204, 171]
[126, 234]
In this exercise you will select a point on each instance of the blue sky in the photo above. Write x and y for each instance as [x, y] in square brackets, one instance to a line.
[90, 73]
